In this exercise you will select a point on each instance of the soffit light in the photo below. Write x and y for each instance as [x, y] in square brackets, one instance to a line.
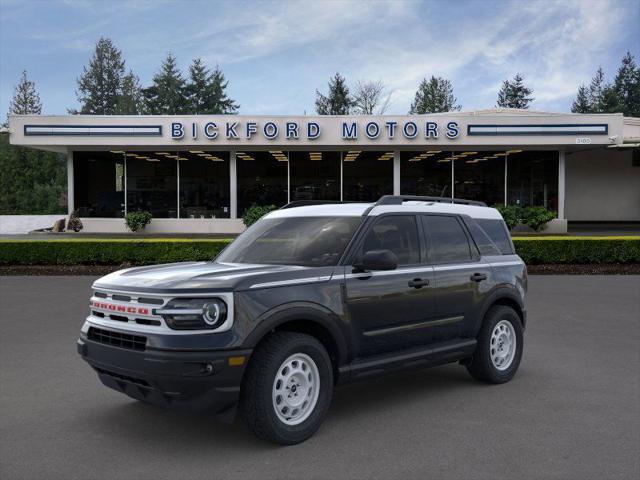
[386, 156]
[444, 160]
[514, 151]
[352, 155]
[152, 160]
[315, 156]
[162, 153]
[141, 157]
[131, 154]
[434, 151]
[196, 151]
[116, 151]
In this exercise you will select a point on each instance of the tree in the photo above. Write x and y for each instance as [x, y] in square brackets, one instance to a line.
[130, 101]
[581, 104]
[206, 92]
[627, 86]
[100, 85]
[433, 96]
[370, 98]
[338, 101]
[167, 95]
[514, 94]
[596, 91]
[25, 99]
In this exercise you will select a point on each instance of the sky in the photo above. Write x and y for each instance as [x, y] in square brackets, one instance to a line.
[276, 54]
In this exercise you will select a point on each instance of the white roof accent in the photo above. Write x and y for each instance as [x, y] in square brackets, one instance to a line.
[357, 209]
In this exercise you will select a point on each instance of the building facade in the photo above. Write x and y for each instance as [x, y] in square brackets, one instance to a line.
[201, 173]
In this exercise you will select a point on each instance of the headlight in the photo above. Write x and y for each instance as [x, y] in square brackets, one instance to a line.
[194, 313]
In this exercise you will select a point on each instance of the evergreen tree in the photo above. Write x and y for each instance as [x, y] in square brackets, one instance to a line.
[130, 101]
[206, 91]
[596, 91]
[338, 101]
[167, 95]
[627, 86]
[514, 94]
[25, 99]
[100, 85]
[581, 104]
[433, 96]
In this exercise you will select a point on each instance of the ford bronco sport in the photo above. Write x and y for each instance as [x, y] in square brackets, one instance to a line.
[310, 297]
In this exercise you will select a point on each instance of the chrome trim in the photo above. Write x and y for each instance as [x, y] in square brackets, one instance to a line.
[296, 281]
[177, 311]
[460, 266]
[504, 264]
[382, 273]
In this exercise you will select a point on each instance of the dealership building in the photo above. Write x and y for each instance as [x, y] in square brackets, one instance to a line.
[200, 173]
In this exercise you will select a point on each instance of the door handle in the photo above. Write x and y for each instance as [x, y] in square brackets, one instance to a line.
[478, 277]
[418, 282]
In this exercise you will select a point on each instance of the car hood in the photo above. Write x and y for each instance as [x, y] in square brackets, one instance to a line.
[198, 276]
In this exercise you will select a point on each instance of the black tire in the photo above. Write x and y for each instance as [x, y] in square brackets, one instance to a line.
[481, 366]
[256, 403]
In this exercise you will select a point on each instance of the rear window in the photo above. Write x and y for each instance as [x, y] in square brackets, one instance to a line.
[498, 233]
[449, 243]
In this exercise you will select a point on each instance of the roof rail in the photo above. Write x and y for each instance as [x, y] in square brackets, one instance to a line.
[400, 199]
[306, 203]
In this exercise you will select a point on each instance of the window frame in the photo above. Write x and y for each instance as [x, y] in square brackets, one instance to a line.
[474, 253]
[354, 249]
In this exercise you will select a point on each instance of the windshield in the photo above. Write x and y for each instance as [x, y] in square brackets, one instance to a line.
[305, 241]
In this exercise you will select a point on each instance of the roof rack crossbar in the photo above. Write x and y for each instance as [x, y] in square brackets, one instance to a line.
[400, 199]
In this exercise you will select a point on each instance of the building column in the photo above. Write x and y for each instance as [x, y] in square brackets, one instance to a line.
[233, 185]
[561, 183]
[70, 183]
[396, 172]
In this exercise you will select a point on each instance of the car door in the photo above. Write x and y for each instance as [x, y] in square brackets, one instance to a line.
[388, 308]
[459, 274]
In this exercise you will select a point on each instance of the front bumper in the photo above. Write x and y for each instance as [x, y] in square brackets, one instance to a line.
[186, 380]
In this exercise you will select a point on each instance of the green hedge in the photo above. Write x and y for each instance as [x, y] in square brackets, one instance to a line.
[107, 252]
[533, 250]
[578, 250]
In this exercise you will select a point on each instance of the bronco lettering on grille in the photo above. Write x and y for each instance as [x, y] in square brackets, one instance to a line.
[118, 308]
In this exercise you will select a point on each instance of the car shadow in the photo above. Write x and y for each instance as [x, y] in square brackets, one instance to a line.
[151, 425]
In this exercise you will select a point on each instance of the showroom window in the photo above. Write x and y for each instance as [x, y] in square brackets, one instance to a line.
[532, 178]
[426, 172]
[152, 183]
[314, 175]
[99, 184]
[204, 184]
[366, 176]
[262, 179]
[479, 175]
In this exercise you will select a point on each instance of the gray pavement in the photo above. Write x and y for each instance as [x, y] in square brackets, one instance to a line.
[572, 412]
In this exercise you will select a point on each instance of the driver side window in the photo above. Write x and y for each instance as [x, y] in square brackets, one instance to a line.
[397, 233]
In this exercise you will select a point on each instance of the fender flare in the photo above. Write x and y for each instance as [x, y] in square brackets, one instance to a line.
[501, 292]
[302, 311]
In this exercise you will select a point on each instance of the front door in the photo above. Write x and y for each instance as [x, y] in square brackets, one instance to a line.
[388, 309]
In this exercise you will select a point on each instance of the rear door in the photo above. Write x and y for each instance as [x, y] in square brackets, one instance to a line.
[388, 309]
[461, 278]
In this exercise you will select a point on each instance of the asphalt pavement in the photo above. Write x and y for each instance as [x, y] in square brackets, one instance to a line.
[571, 412]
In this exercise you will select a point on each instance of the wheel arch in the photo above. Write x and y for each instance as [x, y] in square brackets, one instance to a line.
[310, 318]
[507, 297]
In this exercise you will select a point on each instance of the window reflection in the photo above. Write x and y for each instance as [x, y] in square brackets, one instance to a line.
[479, 175]
[426, 172]
[532, 179]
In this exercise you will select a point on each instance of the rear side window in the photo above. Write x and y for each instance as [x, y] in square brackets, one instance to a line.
[449, 242]
[484, 243]
[498, 233]
[398, 233]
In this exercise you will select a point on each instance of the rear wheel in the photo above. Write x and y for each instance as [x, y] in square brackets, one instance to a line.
[287, 388]
[499, 349]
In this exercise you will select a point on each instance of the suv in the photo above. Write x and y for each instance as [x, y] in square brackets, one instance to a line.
[308, 298]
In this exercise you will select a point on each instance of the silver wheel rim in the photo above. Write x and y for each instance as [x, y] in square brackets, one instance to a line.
[503, 345]
[296, 389]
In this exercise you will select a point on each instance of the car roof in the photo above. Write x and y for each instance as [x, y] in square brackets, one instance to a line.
[371, 209]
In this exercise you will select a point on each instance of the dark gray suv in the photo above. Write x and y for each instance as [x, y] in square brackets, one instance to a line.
[310, 297]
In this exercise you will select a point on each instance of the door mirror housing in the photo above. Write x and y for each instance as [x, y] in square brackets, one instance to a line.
[377, 260]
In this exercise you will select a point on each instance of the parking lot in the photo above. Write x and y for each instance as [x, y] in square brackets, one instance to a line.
[573, 410]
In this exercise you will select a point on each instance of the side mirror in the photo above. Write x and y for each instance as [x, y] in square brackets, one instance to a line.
[377, 260]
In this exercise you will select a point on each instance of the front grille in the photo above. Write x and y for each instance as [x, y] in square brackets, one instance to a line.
[117, 339]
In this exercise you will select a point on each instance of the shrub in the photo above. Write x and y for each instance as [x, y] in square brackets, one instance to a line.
[255, 213]
[137, 220]
[74, 223]
[534, 217]
[578, 250]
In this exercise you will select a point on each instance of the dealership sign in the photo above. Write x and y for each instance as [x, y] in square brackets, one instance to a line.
[292, 130]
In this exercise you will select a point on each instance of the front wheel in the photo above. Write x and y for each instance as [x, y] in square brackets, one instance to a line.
[499, 348]
[287, 388]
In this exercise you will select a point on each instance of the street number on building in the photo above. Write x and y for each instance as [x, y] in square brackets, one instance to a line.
[583, 141]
